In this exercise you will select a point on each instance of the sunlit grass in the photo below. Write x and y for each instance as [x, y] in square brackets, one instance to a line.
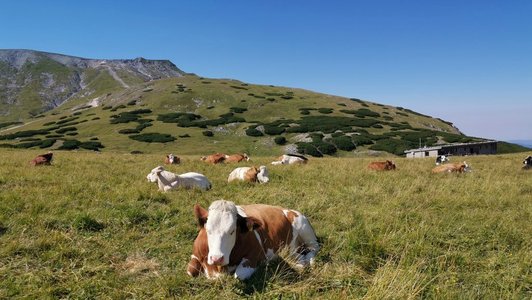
[91, 226]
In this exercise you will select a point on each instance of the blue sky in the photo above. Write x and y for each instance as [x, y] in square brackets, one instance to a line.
[469, 62]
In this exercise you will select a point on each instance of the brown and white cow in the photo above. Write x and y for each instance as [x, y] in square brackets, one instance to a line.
[382, 165]
[214, 158]
[43, 159]
[237, 239]
[249, 174]
[527, 163]
[290, 159]
[236, 158]
[452, 168]
[171, 159]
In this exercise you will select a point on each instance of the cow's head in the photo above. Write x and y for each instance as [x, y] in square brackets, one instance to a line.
[262, 176]
[171, 158]
[223, 223]
[390, 165]
[152, 176]
[246, 157]
[465, 167]
[528, 161]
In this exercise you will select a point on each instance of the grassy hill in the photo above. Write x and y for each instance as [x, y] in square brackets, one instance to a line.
[192, 114]
[91, 226]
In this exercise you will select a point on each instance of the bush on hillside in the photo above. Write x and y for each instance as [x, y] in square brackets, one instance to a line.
[66, 129]
[325, 110]
[207, 133]
[273, 130]
[280, 140]
[25, 133]
[153, 138]
[309, 149]
[252, 131]
[70, 145]
[344, 143]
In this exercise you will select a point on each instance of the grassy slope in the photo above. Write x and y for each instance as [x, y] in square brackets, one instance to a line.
[210, 98]
[400, 234]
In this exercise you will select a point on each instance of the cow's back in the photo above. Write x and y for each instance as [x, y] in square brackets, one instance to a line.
[276, 229]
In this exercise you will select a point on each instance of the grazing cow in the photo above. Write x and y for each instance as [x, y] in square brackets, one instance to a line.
[441, 159]
[289, 159]
[43, 159]
[236, 158]
[168, 180]
[172, 159]
[452, 167]
[250, 174]
[236, 239]
[382, 165]
[214, 158]
[527, 163]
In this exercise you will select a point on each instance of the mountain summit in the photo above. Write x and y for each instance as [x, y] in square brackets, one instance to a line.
[32, 82]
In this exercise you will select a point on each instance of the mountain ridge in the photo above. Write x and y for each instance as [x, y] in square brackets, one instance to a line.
[117, 110]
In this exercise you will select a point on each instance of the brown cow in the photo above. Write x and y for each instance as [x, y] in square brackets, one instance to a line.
[171, 159]
[236, 239]
[236, 157]
[214, 158]
[453, 167]
[382, 165]
[43, 159]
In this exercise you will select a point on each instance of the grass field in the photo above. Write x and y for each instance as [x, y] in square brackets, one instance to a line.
[91, 226]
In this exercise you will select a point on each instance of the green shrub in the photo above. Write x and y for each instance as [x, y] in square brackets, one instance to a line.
[128, 131]
[252, 131]
[91, 145]
[361, 140]
[309, 149]
[280, 140]
[238, 109]
[118, 107]
[66, 129]
[48, 123]
[343, 143]
[25, 133]
[178, 117]
[132, 102]
[153, 138]
[394, 146]
[186, 135]
[207, 133]
[273, 130]
[7, 124]
[324, 110]
[71, 133]
[106, 107]
[76, 113]
[70, 145]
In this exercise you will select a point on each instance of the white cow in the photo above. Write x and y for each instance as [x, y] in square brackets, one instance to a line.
[251, 174]
[288, 159]
[168, 180]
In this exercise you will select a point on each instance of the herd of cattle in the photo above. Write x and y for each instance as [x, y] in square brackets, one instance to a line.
[236, 239]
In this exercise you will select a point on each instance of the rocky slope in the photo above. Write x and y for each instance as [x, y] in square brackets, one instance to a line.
[32, 82]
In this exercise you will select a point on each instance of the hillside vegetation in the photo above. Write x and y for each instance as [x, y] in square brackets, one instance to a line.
[191, 113]
[91, 226]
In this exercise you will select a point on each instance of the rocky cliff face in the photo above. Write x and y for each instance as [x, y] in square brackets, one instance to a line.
[32, 82]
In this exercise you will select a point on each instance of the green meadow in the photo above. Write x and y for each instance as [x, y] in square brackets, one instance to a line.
[91, 226]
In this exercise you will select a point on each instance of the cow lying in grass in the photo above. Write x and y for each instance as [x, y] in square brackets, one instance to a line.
[43, 159]
[171, 159]
[168, 180]
[382, 165]
[236, 158]
[214, 158]
[250, 174]
[441, 159]
[237, 239]
[452, 168]
[527, 163]
[289, 159]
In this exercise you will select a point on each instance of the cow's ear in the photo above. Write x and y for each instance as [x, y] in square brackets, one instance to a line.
[201, 214]
[247, 224]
